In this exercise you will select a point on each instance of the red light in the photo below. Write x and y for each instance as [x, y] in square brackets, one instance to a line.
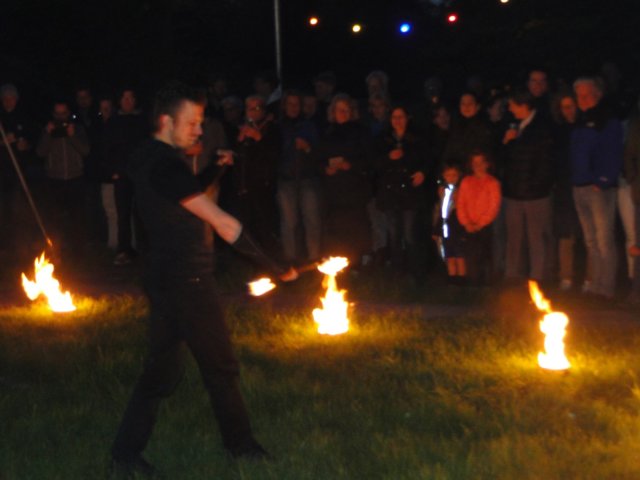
[452, 18]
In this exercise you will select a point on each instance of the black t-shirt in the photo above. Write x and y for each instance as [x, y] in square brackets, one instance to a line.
[181, 244]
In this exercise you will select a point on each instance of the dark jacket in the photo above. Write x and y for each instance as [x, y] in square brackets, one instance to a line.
[347, 188]
[467, 135]
[393, 177]
[255, 166]
[296, 164]
[64, 156]
[123, 133]
[528, 162]
[596, 149]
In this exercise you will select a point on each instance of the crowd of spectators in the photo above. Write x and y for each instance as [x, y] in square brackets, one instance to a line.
[503, 184]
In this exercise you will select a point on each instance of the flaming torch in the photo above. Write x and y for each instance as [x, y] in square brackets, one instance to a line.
[45, 284]
[261, 286]
[332, 318]
[553, 325]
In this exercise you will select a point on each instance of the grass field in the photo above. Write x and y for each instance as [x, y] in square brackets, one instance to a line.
[406, 394]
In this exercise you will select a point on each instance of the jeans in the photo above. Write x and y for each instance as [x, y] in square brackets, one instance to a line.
[300, 200]
[596, 211]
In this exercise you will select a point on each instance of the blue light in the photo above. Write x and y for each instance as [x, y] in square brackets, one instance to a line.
[405, 28]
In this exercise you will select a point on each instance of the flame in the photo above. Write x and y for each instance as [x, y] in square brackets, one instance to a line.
[553, 325]
[332, 318]
[45, 284]
[261, 286]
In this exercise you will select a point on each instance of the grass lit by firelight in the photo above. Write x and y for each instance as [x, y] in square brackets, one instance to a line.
[403, 395]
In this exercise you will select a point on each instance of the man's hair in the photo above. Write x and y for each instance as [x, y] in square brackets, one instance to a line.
[596, 82]
[522, 96]
[338, 97]
[170, 98]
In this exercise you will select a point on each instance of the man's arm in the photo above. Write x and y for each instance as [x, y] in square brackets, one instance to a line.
[228, 227]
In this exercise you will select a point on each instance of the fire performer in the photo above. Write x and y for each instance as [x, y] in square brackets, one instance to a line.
[185, 310]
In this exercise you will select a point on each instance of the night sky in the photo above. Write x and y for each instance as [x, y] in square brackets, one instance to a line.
[50, 46]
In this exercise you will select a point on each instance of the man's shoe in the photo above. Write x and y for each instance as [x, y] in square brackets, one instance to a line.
[251, 450]
[136, 467]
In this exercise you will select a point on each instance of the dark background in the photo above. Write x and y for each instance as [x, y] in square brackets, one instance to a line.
[51, 46]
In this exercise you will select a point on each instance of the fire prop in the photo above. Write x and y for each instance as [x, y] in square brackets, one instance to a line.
[45, 284]
[553, 325]
[261, 286]
[332, 318]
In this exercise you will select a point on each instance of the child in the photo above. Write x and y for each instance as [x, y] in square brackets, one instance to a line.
[448, 232]
[478, 204]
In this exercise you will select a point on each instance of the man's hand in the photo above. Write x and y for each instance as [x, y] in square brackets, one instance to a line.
[71, 130]
[302, 144]
[225, 157]
[417, 179]
[195, 149]
[50, 127]
[289, 276]
[396, 154]
[509, 135]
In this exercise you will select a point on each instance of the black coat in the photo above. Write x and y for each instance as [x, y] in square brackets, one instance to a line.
[394, 184]
[528, 163]
[347, 188]
[467, 135]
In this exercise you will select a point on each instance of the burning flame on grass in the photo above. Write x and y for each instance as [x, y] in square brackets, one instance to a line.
[45, 284]
[332, 318]
[261, 286]
[553, 325]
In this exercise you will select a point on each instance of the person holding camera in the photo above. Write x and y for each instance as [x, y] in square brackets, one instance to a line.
[64, 145]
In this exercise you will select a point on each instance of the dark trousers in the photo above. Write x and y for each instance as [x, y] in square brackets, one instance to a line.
[478, 255]
[123, 193]
[185, 314]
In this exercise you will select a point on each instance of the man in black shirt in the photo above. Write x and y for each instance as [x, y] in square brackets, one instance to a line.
[185, 310]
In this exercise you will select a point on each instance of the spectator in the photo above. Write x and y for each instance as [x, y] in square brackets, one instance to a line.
[565, 218]
[344, 152]
[266, 85]
[527, 187]
[377, 83]
[447, 229]
[538, 87]
[123, 133]
[254, 173]
[401, 163]
[299, 183]
[469, 131]
[596, 161]
[64, 145]
[378, 118]
[324, 85]
[478, 204]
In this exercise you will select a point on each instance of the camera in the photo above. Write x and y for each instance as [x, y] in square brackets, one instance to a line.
[59, 129]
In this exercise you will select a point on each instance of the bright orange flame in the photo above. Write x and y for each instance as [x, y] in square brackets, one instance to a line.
[332, 318]
[553, 325]
[45, 284]
[261, 286]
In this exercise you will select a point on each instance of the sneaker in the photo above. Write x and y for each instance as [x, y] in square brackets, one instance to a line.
[136, 467]
[587, 286]
[566, 284]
